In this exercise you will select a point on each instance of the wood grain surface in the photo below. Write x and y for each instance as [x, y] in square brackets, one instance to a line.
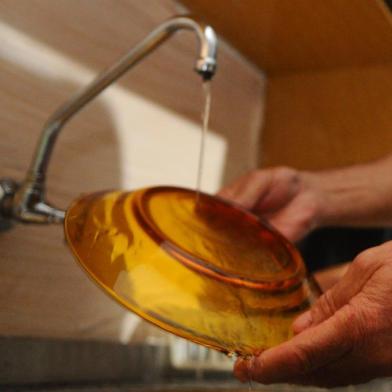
[42, 291]
[326, 119]
[297, 35]
[96, 33]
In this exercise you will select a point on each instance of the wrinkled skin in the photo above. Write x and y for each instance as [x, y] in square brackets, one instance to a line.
[284, 196]
[346, 338]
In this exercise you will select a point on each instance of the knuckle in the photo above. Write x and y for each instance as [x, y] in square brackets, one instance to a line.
[386, 256]
[308, 219]
[372, 259]
[387, 246]
[286, 173]
[255, 174]
[363, 261]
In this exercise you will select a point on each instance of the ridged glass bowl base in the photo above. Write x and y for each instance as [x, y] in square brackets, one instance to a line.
[194, 265]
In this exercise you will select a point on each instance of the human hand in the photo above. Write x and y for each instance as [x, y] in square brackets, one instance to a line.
[288, 198]
[346, 337]
[329, 276]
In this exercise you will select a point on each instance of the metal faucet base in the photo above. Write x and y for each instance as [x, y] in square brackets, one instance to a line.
[8, 188]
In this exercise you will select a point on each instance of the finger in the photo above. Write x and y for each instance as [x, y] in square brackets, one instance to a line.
[284, 186]
[241, 369]
[248, 189]
[352, 282]
[265, 191]
[296, 216]
[305, 353]
[350, 369]
[305, 320]
[328, 277]
[285, 223]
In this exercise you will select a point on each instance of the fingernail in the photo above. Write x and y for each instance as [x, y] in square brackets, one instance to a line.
[302, 322]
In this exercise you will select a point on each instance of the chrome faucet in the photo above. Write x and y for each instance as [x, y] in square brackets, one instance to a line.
[27, 202]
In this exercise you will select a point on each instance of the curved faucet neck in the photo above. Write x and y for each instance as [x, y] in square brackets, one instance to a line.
[29, 204]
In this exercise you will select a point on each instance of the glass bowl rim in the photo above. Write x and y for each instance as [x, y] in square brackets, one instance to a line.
[200, 265]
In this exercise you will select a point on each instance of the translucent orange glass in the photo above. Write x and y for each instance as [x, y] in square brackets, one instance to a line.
[196, 266]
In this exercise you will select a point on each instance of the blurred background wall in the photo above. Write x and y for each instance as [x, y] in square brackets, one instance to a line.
[143, 131]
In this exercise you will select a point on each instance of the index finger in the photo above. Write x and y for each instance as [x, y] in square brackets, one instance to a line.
[248, 189]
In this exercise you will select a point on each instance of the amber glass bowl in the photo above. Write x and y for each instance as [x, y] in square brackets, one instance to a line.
[193, 264]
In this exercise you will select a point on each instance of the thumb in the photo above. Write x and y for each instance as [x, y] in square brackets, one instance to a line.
[300, 358]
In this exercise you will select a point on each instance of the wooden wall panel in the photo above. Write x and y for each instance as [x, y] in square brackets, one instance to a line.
[318, 120]
[42, 290]
[96, 33]
[297, 35]
[329, 75]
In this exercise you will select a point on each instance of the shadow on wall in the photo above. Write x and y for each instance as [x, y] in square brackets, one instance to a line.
[43, 292]
[87, 156]
[165, 77]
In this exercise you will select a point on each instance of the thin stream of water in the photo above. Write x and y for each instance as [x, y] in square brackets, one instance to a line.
[205, 119]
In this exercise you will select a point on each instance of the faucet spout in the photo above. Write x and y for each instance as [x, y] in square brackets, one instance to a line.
[29, 203]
